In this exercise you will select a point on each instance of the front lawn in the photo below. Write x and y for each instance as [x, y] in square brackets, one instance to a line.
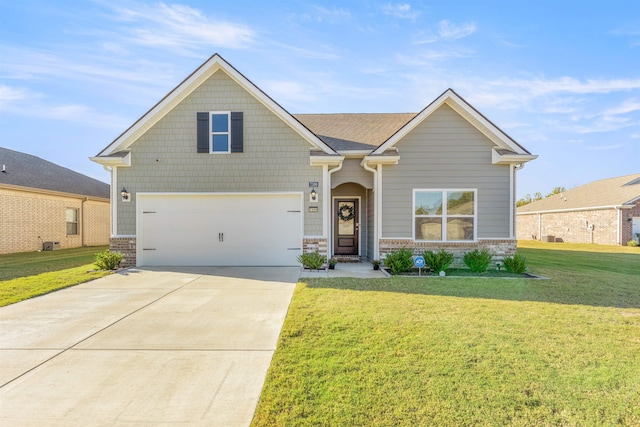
[28, 274]
[464, 351]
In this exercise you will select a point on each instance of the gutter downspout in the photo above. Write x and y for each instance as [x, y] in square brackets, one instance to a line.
[82, 239]
[512, 196]
[114, 201]
[328, 220]
[376, 213]
[619, 222]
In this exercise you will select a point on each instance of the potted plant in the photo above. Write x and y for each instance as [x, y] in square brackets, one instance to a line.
[332, 263]
[376, 264]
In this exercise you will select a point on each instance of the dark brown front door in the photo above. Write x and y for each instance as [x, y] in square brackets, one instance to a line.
[346, 226]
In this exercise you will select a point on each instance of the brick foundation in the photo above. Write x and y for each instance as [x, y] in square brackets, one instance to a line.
[311, 245]
[500, 248]
[127, 247]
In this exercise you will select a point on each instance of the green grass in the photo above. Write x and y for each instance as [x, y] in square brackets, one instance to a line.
[464, 351]
[29, 274]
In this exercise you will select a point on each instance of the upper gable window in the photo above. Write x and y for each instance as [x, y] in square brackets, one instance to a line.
[220, 132]
[444, 215]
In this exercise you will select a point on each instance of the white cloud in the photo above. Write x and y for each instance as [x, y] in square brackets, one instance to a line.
[628, 106]
[331, 15]
[604, 147]
[400, 10]
[450, 31]
[181, 28]
[9, 95]
[309, 53]
[427, 57]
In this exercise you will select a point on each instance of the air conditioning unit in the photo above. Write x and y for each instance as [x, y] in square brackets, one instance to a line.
[50, 246]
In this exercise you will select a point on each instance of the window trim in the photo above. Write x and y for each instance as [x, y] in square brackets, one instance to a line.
[444, 215]
[76, 222]
[212, 133]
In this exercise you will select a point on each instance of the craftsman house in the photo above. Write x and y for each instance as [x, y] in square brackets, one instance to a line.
[47, 206]
[218, 173]
[605, 212]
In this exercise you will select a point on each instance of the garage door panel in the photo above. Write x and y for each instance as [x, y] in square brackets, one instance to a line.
[263, 229]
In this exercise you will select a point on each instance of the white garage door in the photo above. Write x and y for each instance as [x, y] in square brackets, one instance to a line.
[187, 229]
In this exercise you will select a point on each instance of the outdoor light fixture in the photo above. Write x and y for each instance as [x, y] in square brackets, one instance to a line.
[313, 197]
[125, 194]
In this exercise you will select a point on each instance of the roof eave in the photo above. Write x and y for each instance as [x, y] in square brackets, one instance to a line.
[462, 107]
[511, 158]
[52, 192]
[192, 82]
[332, 160]
[381, 160]
[113, 161]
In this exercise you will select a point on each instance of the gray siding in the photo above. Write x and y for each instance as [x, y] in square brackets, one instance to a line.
[352, 172]
[370, 225]
[164, 159]
[445, 151]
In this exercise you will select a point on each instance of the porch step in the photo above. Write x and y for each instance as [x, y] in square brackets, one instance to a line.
[347, 258]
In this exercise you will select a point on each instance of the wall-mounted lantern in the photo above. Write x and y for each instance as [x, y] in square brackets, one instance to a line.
[125, 195]
[313, 196]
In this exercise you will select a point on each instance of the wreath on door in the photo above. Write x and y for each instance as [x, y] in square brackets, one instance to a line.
[345, 213]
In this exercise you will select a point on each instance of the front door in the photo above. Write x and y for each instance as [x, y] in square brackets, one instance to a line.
[346, 226]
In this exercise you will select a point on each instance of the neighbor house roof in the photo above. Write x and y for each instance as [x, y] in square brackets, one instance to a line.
[620, 191]
[25, 170]
[344, 132]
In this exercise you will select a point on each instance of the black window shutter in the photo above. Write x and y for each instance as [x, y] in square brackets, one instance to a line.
[237, 139]
[203, 132]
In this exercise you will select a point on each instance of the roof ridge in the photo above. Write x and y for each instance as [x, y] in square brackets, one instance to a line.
[344, 114]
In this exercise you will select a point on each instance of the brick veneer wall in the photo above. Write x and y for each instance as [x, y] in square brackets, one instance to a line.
[314, 244]
[572, 227]
[27, 219]
[127, 247]
[500, 248]
[626, 230]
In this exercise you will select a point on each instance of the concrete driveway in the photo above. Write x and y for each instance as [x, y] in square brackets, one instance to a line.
[186, 346]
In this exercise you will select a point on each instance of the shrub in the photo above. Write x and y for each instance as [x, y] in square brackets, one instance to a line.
[311, 260]
[108, 260]
[438, 261]
[516, 264]
[478, 260]
[399, 261]
[632, 243]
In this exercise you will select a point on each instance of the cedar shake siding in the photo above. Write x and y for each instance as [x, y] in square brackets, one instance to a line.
[274, 157]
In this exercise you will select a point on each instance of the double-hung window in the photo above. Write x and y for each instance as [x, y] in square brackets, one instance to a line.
[220, 132]
[444, 215]
[72, 222]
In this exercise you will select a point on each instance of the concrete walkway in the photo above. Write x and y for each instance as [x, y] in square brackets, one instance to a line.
[360, 270]
[145, 347]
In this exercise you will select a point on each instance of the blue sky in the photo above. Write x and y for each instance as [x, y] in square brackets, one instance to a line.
[561, 77]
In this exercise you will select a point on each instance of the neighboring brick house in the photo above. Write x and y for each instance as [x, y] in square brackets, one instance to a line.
[606, 212]
[218, 173]
[43, 202]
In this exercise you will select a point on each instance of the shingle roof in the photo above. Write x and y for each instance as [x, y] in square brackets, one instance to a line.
[605, 192]
[354, 131]
[30, 171]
